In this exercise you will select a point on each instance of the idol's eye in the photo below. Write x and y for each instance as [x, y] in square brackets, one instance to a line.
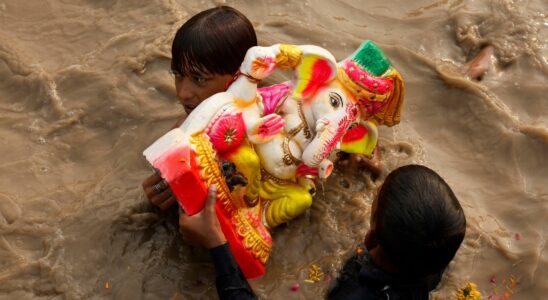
[335, 100]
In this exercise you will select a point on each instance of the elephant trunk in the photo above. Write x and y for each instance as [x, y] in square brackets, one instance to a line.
[325, 169]
[326, 139]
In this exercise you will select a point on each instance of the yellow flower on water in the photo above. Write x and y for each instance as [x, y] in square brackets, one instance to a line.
[469, 292]
[315, 274]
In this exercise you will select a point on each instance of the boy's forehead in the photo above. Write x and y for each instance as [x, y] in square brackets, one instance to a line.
[190, 66]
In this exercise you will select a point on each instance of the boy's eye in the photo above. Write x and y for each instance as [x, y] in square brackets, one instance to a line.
[199, 79]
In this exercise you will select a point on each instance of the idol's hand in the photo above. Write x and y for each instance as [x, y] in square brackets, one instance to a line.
[266, 129]
[203, 229]
[259, 63]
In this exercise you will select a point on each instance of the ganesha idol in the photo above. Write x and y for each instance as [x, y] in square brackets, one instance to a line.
[264, 148]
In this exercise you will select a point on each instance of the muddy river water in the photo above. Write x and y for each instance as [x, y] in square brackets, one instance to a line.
[84, 88]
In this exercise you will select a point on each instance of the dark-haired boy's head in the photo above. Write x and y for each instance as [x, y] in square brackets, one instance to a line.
[213, 41]
[417, 221]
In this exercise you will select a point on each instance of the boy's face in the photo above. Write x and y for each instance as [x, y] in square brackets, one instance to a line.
[195, 88]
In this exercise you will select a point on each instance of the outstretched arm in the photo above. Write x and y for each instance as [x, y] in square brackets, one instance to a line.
[259, 63]
[203, 229]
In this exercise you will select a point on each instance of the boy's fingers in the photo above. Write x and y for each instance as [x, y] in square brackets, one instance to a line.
[154, 186]
[211, 198]
[151, 180]
[160, 198]
[168, 203]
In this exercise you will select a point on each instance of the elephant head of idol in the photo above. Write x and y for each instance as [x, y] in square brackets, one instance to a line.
[334, 109]
[328, 106]
[378, 86]
[347, 100]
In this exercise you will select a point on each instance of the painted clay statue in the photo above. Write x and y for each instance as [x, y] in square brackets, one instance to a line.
[263, 148]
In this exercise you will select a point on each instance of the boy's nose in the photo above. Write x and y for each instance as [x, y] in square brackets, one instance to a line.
[184, 90]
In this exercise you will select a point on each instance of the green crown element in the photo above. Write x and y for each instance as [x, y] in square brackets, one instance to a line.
[370, 57]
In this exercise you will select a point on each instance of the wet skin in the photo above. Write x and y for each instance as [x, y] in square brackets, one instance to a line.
[193, 89]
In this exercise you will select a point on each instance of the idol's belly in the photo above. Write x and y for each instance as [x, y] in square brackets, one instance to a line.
[278, 159]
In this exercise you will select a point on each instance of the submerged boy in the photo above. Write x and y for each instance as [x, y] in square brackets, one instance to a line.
[207, 52]
[417, 226]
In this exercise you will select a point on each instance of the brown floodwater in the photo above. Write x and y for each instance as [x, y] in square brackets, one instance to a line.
[85, 88]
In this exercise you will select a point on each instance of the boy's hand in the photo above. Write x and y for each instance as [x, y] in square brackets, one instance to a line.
[158, 192]
[203, 229]
[372, 163]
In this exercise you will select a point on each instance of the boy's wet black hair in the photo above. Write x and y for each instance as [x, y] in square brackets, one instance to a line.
[214, 41]
[419, 222]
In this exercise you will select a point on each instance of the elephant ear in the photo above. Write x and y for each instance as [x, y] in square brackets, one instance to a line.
[360, 139]
[316, 68]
